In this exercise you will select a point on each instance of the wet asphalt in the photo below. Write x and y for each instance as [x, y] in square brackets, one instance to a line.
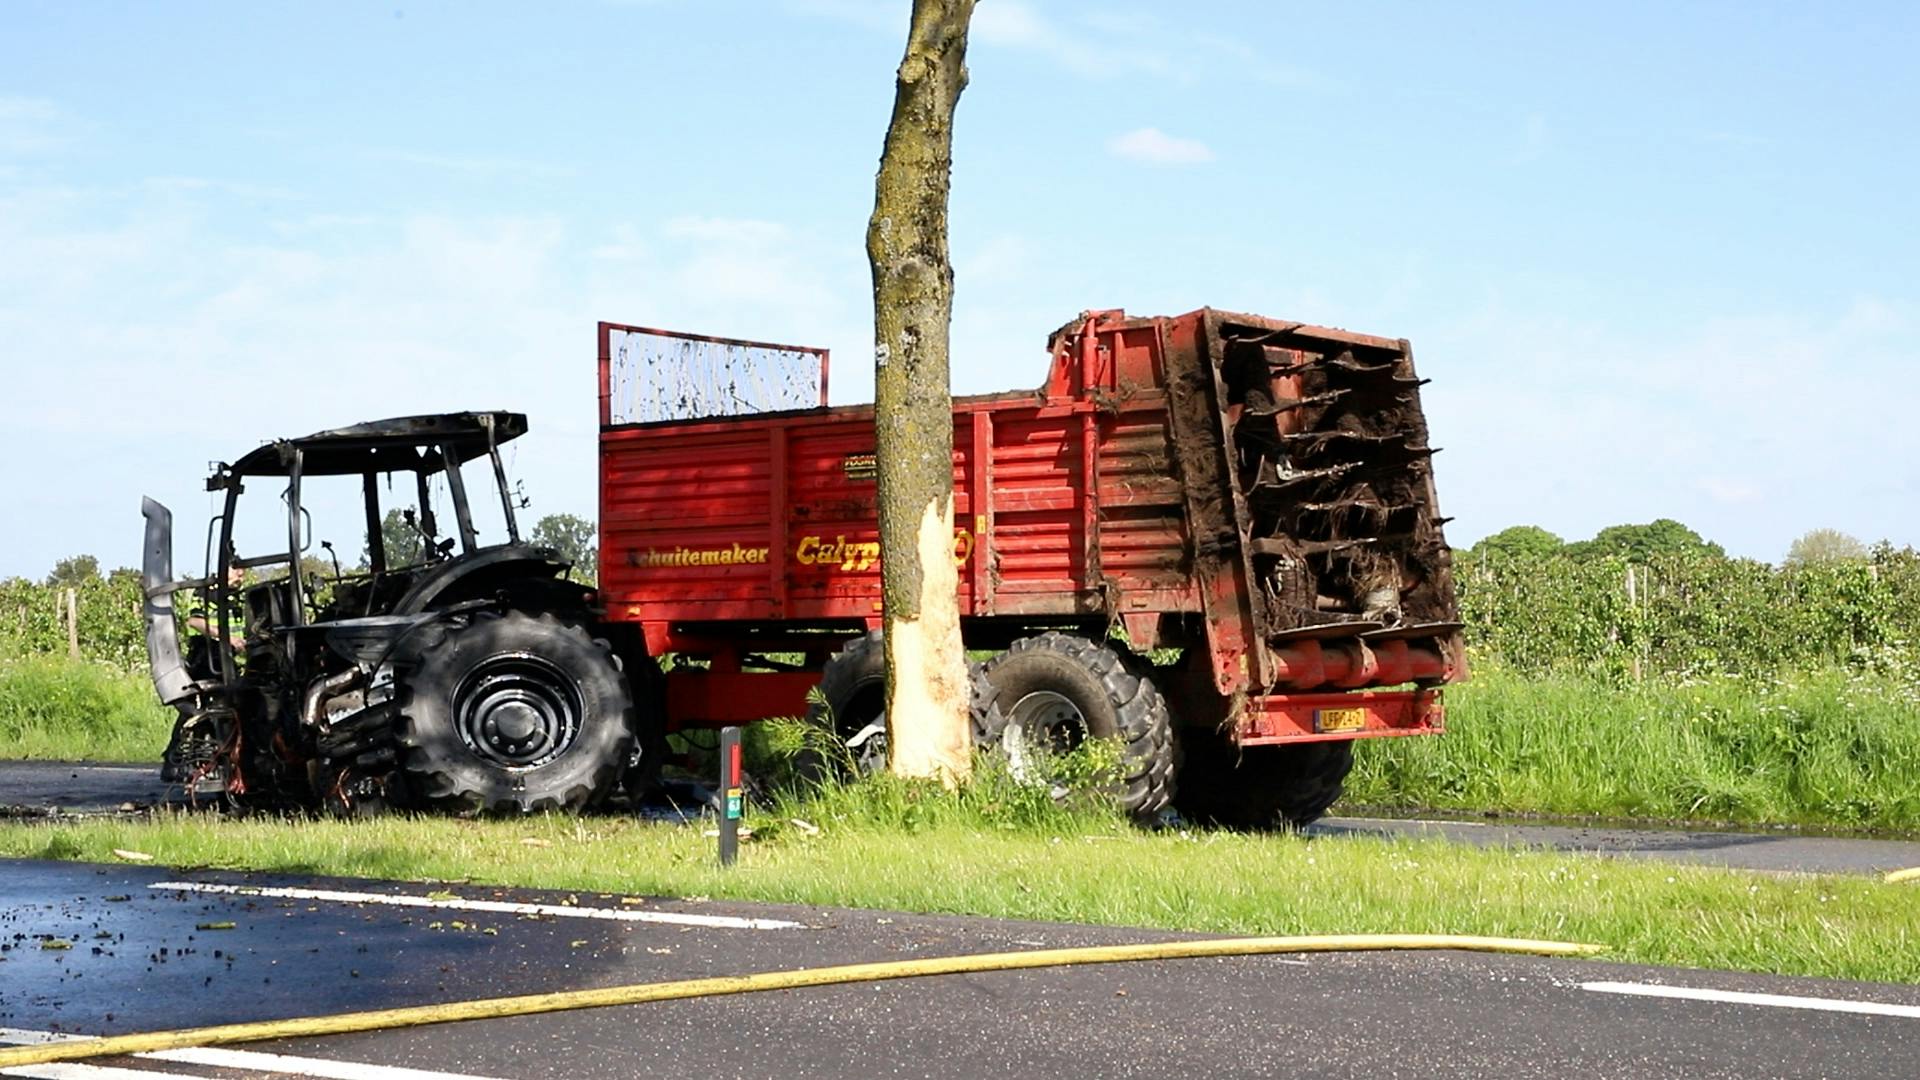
[82, 787]
[144, 958]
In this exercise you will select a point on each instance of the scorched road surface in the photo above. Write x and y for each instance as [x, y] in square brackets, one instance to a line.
[152, 948]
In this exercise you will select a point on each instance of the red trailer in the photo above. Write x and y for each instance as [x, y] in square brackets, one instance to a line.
[1212, 533]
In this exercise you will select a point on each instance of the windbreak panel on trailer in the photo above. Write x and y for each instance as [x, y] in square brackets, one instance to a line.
[649, 375]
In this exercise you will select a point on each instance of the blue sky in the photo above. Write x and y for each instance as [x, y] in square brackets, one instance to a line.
[1659, 260]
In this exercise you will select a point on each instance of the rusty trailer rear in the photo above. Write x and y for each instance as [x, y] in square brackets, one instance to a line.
[1256, 493]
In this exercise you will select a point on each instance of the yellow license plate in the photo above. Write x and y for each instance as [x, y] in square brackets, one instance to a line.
[1325, 720]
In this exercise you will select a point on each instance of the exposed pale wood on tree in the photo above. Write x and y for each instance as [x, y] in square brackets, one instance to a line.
[928, 728]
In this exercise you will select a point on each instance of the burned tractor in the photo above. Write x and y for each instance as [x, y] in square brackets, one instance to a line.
[464, 677]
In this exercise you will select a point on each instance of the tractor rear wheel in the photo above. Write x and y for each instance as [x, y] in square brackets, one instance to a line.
[1049, 694]
[1259, 787]
[514, 713]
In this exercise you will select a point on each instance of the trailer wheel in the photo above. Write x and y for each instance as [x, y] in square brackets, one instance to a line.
[853, 693]
[852, 704]
[513, 713]
[1051, 693]
[1258, 787]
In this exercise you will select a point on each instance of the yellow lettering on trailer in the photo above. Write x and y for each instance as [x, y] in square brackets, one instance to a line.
[735, 554]
[853, 556]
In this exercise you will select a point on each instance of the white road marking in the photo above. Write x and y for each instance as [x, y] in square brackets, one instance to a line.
[221, 1058]
[1735, 997]
[212, 1056]
[73, 1070]
[562, 911]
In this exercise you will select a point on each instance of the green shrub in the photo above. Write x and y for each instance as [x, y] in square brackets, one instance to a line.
[1828, 746]
[33, 619]
[1686, 615]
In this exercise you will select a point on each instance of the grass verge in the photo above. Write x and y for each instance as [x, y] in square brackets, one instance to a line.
[53, 708]
[898, 847]
[1830, 747]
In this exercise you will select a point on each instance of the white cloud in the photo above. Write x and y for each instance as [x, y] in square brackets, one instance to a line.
[476, 166]
[739, 231]
[1722, 489]
[624, 245]
[1750, 429]
[32, 110]
[1086, 49]
[31, 126]
[1010, 23]
[1090, 40]
[1535, 139]
[140, 337]
[1004, 258]
[1156, 147]
[1096, 45]
[884, 15]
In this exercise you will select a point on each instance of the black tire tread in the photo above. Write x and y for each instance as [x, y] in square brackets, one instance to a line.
[429, 749]
[1148, 754]
[1260, 787]
[858, 662]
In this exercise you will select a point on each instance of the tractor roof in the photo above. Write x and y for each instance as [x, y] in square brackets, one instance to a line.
[402, 444]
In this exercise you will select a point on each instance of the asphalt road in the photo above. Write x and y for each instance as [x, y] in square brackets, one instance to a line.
[1782, 851]
[34, 787]
[79, 787]
[144, 956]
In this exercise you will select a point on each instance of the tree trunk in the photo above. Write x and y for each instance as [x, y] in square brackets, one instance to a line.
[929, 733]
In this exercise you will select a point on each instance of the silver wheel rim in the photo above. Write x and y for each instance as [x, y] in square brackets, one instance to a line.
[518, 711]
[868, 747]
[1039, 726]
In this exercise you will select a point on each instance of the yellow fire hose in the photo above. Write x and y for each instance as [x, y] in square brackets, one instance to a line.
[489, 1008]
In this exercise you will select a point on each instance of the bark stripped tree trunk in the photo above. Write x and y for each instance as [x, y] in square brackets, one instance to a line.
[929, 732]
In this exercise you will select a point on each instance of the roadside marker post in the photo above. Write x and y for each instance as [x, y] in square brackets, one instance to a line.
[731, 795]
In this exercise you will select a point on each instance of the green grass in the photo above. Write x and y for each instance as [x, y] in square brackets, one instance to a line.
[1827, 747]
[56, 708]
[1824, 748]
[997, 853]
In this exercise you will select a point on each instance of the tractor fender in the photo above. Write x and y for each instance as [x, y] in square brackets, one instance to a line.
[483, 573]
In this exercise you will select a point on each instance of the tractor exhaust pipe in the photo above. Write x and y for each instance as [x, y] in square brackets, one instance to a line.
[157, 588]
